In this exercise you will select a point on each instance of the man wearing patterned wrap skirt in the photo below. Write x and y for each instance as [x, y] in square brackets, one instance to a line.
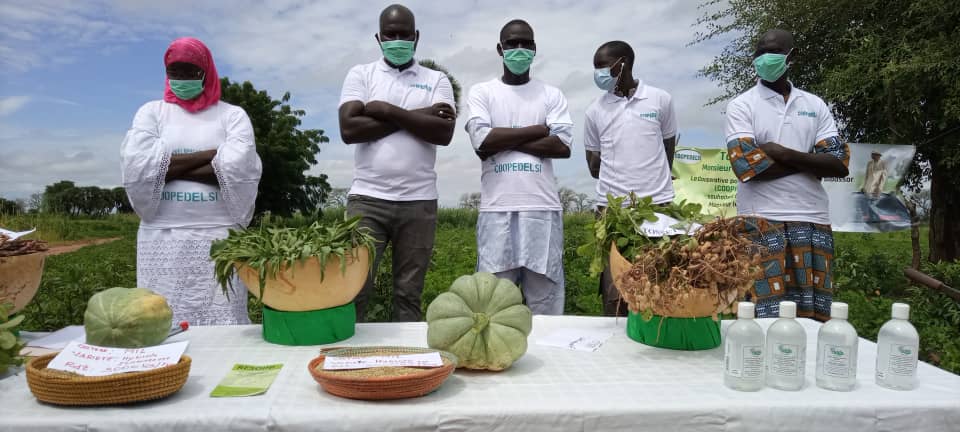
[782, 141]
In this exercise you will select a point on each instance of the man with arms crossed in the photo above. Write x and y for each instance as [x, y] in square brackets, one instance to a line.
[395, 112]
[517, 125]
[782, 141]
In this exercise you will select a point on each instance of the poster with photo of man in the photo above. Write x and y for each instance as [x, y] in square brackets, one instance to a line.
[868, 199]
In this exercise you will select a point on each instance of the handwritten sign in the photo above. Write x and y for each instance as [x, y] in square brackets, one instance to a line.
[427, 360]
[667, 226]
[92, 360]
[576, 339]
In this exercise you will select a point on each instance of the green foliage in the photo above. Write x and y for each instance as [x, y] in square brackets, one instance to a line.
[10, 344]
[267, 250]
[286, 151]
[868, 276]
[69, 280]
[57, 228]
[64, 197]
[9, 207]
[622, 225]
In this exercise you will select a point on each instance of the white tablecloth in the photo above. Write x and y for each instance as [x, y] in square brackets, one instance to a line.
[623, 386]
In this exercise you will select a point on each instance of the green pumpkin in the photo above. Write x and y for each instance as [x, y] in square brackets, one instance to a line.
[482, 320]
[127, 318]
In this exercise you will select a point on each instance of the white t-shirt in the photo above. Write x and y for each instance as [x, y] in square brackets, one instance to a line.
[190, 204]
[512, 180]
[798, 124]
[399, 166]
[629, 134]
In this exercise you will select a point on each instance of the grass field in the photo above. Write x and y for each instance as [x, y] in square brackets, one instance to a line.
[867, 274]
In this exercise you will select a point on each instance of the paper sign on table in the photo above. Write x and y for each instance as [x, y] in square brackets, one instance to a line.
[91, 360]
[246, 380]
[576, 339]
[431, 359]
[15, 235]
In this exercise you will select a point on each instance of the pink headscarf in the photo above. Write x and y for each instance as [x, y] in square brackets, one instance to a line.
[190, 50]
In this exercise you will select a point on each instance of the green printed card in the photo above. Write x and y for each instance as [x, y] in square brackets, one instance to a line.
[246, 380]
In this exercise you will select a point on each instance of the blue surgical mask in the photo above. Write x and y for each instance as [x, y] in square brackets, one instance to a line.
[605, 80]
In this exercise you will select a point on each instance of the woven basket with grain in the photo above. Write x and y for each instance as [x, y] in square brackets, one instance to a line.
[382, 382]
[65, 388]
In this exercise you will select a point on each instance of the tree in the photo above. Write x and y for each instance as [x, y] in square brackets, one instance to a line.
[430, 64]
[286, 151]
[583, 203]
[569, 200]
[337, 198]
[470, 200]
[889, 69]
[120, 200]
[35, 202]
[10, 207]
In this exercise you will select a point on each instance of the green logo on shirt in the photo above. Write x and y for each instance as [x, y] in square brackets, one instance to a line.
[180, 151]
[517, 167]
[422, 87]
[190, 196]
[651, 115]
[810, 114]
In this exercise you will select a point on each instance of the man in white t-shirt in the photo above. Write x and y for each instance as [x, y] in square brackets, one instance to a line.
[517, 126]
[629, 136]
[782, 141]
[395, 112]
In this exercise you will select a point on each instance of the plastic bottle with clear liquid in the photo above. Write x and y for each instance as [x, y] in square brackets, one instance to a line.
[837, 344]
[897, 346]
[786, 350]
[743, 351]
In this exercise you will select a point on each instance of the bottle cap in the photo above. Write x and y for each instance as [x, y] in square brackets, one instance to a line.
[838, 310]
[788, 309]
[900, 311]
[745, 310]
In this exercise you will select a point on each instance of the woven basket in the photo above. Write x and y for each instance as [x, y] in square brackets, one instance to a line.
[64, 388]
[382, 387]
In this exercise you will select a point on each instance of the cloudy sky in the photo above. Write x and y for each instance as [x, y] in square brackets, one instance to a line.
[75, 72]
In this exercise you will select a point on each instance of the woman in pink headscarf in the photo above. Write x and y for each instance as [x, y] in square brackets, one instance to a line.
[191, 170]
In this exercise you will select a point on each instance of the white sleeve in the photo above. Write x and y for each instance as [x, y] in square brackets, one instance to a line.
[827, 127]
[354, 86]
[443, 92]
[558, 119]
[591, 136]
[479, 122]
[238, 168]
[668, 117]
[739, 122]
[144, 161]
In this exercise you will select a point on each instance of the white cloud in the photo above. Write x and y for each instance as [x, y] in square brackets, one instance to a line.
[307, 47]
[12, 104]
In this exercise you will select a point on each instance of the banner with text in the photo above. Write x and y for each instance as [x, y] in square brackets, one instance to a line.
[864, 201]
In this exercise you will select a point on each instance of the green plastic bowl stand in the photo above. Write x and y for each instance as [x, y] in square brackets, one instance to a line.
[316, 327]
[687, 334]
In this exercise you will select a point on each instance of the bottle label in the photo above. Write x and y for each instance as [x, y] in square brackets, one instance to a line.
[786, 360]
[745, 362]
[836, 361]
[897, 359]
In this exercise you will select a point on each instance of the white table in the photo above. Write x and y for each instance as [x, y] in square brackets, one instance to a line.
[623, 386]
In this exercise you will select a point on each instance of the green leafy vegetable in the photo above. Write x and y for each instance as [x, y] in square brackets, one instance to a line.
[621, 224]
[268, 249]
